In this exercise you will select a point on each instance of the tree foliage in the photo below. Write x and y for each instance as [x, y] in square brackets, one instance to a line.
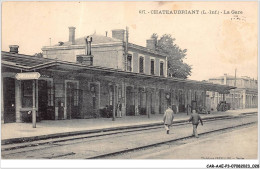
[176, 67]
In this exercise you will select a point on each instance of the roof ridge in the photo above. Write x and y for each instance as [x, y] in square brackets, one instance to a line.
[30, 56]
[99, 39]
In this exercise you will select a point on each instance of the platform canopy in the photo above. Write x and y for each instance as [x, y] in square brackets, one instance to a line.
[29, 63]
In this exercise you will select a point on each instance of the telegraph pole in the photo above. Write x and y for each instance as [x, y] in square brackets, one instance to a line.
[34, 103]
[147, 105]
[126, 47]
[235, 77]
[235, 83]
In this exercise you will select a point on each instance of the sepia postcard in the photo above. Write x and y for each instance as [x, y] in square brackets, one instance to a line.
[129, 84]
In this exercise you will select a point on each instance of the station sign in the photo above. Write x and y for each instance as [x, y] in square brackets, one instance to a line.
[28, 76]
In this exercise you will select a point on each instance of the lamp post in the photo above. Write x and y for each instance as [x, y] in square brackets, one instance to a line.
[93, 93]
[114, 103]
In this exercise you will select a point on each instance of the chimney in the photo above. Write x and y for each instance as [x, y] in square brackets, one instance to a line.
[118, 34]
[13, 48]
[72, 35]
[88, 45]
[150, 43]
[86, 59]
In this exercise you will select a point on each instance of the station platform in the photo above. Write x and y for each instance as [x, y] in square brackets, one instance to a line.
[20, 132]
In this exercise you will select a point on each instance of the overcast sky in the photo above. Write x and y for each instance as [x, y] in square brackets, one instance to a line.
[216, 43]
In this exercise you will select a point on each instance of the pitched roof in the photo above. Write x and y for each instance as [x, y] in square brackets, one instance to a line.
[230, 77]
[29, 63]
[23, 61]
[97, 39]
[100, 39]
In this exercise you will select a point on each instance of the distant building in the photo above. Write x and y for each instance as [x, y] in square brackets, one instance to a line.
[244, 96]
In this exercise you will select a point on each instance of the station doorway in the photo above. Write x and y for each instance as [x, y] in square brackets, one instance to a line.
[130, 107]
[9, 99]
[46, 100]
[72, 100]
[161, 101]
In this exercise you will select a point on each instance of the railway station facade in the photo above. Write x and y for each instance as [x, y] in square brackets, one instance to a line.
[83, 80]
[244, 96]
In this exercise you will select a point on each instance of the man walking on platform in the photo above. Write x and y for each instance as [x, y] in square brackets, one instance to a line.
[195, 118]
[168, 119]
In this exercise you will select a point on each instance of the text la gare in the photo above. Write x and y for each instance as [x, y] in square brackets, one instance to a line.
[232, 12]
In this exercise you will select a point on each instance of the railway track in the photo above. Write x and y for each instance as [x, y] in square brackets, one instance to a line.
[102, 135]
[108, 155]
[97, 132]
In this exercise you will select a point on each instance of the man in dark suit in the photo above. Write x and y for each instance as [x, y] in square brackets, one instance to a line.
[195, 118]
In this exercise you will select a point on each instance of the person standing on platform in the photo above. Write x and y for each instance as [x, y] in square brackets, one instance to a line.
[195, 118]
[168, 119]
[119, 109]
[107, 111]
[188, 109]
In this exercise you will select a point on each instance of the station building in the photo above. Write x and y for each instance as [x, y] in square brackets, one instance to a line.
[86, 77]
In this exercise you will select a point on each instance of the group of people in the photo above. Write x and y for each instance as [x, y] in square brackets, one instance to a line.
[194, 118]
[108, 110]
